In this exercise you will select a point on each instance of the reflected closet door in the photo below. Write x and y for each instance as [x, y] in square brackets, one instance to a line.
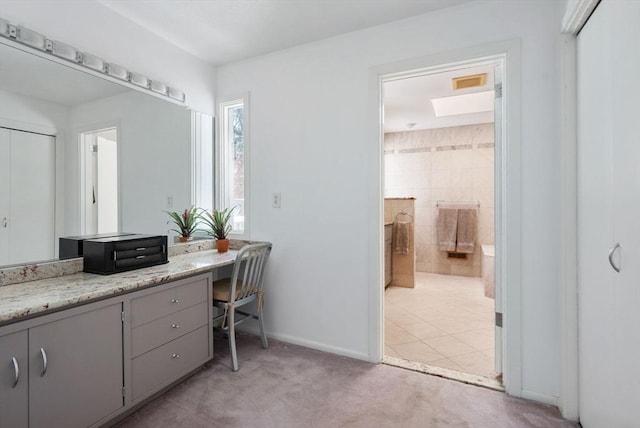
[28, 197]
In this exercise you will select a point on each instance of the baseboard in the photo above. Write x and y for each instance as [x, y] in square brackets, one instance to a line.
[311, 344]
[542, 398]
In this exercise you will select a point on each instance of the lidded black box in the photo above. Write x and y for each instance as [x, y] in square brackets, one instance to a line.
[122, 253]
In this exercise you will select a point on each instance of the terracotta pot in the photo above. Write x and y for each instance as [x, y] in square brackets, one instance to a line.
[222, 245]
[184, 238]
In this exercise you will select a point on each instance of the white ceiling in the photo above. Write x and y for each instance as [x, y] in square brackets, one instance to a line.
[409, 100]
[222, 31]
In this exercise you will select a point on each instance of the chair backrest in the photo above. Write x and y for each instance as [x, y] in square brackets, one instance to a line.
[248, 271]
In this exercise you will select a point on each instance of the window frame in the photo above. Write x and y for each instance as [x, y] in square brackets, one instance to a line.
[222, 158]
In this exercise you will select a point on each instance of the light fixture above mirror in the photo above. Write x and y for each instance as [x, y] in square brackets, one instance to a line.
[62, 50]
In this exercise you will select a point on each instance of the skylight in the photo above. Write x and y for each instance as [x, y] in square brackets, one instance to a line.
[463, 104]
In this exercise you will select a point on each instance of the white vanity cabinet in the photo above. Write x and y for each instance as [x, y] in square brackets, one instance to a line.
[84, 366]
[64, 370]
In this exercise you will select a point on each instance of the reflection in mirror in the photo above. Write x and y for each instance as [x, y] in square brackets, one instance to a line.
[80, 154]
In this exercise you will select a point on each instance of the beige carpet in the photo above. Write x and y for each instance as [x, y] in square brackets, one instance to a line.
[292, 386]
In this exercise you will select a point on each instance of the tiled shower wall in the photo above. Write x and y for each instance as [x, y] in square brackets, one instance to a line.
[451, 164]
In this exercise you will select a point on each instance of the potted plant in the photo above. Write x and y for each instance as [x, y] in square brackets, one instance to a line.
[186, 223]
[218, 225]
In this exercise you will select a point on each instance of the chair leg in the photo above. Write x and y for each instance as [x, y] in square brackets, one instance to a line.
[262, 334]
[232, 339]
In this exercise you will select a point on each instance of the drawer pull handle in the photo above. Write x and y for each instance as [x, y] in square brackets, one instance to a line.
[141, 249]
[43, 354]
[16, 372]
[141, 257]
[175, 325]
[175, 301]
[175, 356]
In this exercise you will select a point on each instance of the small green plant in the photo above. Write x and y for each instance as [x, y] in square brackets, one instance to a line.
[186, 222]
[217, 222]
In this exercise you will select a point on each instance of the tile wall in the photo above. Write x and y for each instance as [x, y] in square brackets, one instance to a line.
[448, 164]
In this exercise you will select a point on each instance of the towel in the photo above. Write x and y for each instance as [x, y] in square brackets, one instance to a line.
[466, 235]
[446, 228]
[401, 236]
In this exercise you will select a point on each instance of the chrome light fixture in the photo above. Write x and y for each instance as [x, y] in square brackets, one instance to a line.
[4, 27]
[62, 50]
[176, 94]
[93, 62]
[139, 80]
[117, 71]
[31, 38]
[159, 87]
[65, 51]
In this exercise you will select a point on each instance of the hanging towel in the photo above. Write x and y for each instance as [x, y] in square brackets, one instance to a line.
[401, 235]
[466, 235]
[446, 227]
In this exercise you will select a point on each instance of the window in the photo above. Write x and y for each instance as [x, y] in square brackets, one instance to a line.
[232, 187]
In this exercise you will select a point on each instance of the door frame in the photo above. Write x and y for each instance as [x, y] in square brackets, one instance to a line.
[507, 193]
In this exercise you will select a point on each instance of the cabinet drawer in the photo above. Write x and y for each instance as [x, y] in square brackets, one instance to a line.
[155, 333]
[157, 305]
[168, 362]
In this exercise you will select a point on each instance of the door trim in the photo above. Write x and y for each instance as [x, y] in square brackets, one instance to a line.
[508, 200]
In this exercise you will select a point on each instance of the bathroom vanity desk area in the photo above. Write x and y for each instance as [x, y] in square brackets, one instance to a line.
[83, 350]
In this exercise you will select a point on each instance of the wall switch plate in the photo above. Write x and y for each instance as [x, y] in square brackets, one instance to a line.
[169, 201]
[276, 200]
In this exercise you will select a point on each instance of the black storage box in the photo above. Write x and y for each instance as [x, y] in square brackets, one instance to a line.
[122, 253]
[71, 246]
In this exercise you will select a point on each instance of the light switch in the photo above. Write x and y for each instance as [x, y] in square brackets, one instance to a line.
[169, 201]
[276, 200]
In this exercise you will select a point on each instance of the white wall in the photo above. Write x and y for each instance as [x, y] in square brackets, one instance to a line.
[92, 27]
[310, 141]
[154, 157]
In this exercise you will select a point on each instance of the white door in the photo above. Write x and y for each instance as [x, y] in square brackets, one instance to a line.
[28, 220]
[608, 227]
[100, 197]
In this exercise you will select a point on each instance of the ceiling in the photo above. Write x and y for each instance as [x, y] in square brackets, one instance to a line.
[222, 31]
[408, 101]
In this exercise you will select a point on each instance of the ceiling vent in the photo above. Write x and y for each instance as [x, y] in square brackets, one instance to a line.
[466, 82]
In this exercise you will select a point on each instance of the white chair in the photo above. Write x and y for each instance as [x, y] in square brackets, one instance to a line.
[244, 286]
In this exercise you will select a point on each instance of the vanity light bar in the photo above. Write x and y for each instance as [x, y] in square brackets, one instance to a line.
[117, 71]
[31, 38]
[139, 79]
[69, 53]
[65, 51]
[159, 87]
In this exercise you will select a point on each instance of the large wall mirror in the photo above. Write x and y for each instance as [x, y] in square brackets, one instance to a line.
[80, 154]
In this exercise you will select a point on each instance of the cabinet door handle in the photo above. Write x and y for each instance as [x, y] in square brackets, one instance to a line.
[611, 253]
[175, 355]
[43, 354]
[175, 325]
[16, 372]
[175, 301]
[5, 222]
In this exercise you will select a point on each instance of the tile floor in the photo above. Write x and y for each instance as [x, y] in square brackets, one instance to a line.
[445, 321]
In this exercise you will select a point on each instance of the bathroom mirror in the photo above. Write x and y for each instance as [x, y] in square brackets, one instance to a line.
[69, 140]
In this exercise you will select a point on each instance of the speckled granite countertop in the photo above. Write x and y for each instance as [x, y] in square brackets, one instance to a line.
[28, 299]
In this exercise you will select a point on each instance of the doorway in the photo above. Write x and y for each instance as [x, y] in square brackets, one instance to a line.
[99, 193]
[441, 301]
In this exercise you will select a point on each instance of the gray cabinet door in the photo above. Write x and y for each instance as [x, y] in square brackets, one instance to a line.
[83, 379]
[14, 391]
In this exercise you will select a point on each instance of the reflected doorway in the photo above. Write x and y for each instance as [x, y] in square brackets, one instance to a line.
[100, 181]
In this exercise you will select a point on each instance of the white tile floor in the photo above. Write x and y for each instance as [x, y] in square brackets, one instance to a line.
[445, 321]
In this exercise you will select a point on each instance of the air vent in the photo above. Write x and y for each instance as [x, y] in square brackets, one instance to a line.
[465, 82]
